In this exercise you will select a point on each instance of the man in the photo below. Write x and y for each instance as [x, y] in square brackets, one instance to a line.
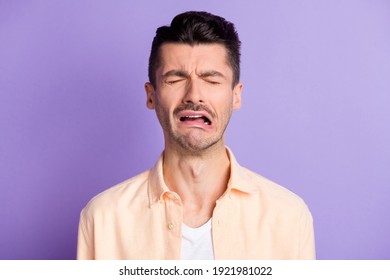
[197, 202]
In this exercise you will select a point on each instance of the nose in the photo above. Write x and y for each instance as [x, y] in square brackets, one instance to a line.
[193, 92]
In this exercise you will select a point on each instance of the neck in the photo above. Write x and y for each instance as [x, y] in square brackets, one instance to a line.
[199, 179]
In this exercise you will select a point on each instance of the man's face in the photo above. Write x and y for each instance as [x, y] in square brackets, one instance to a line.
[193, 96]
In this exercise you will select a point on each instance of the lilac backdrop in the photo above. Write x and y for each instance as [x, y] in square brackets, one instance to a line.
[315, 114]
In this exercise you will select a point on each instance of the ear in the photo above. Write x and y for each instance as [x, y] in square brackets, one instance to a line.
[149, 89]
[237, 96]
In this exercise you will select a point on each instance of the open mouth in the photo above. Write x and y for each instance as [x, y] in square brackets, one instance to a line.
[195, 118]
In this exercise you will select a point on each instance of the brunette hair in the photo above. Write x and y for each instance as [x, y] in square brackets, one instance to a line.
[197, 28]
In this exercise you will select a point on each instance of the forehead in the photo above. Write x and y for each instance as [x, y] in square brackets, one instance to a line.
[199, 57]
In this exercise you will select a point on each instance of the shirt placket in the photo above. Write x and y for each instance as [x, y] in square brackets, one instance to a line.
[173, 225]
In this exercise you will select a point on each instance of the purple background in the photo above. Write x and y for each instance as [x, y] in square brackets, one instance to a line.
[315, 114]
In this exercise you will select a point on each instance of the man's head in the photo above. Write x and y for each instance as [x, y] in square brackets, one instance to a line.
[194, 80]
[194, 28]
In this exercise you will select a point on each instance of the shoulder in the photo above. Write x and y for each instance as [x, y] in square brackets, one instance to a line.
[266, 191]
[120, 195]
[274, 194]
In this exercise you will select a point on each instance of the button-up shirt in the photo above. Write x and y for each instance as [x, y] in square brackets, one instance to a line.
[142, 219]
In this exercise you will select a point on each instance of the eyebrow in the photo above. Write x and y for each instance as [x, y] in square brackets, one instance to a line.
[207, 74]
[184, 74]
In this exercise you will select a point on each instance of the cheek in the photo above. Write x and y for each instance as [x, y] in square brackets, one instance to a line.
[226, 109]
[165, 96]
[163, 109]
[163, 117]
[160, 101]
[224, 102]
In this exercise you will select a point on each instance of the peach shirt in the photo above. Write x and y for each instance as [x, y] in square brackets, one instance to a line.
[141, 219]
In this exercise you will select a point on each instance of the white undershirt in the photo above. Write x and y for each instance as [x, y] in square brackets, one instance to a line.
[197, 243]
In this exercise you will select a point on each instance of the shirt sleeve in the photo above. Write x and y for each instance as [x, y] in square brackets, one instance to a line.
[307, 241]
[85, 239]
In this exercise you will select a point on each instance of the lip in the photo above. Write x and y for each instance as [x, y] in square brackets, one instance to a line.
[196, 124]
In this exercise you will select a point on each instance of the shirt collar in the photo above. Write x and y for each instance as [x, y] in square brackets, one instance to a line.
[240, 180]
[156, 184]
[240, 177]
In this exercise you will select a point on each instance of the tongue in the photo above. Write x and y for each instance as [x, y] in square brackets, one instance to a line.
[197, 120]
[194, 120]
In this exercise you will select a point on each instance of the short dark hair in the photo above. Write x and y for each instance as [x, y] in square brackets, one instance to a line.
[197, 28]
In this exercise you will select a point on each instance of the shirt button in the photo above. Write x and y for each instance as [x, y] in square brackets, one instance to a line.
[171, 226]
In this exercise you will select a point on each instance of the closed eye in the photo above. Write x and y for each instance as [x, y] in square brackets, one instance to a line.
[212, 77]
[212, 82]
[173, 81]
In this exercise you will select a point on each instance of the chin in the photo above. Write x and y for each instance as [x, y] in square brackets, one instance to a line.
[196, 145]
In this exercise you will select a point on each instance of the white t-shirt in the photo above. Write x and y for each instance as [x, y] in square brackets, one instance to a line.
[197, 243]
